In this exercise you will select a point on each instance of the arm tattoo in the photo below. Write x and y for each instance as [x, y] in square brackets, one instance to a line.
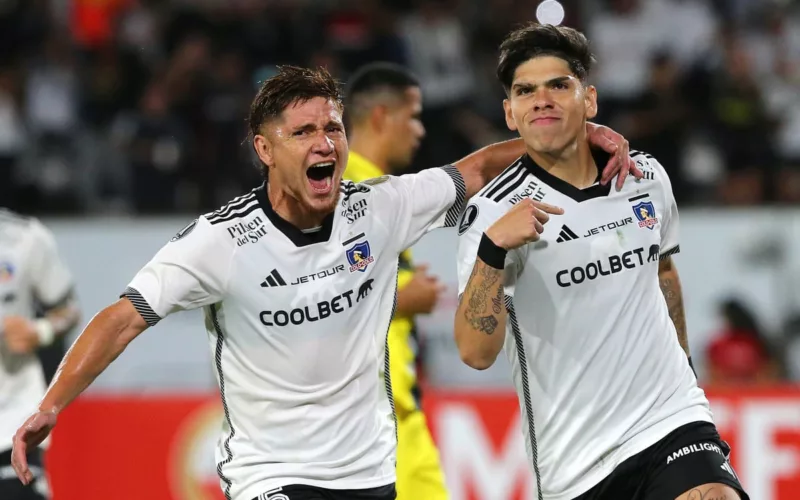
[713, 493]
[480, 294]
[671, 288]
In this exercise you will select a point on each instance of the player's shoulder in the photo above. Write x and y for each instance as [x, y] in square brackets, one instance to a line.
[236, 209]
[503, 187]
[24, 226]
[229, 223]
[14, 219]
[650, 166]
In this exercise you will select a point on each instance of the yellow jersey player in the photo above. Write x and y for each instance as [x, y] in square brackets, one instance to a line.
[383, 106]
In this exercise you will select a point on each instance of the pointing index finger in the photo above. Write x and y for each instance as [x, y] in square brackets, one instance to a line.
[550, 209]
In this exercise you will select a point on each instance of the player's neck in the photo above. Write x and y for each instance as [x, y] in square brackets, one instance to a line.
[291, 210]
[574, 164]
[368, 145]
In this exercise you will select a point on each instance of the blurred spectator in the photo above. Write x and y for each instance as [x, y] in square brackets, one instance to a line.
[688, 28]
[741, 125]
[624, 37]
[739, 354]
[13, 136]
[774, 49]
[223, 166]
[156, 146]
[439, 57]
[656, 121]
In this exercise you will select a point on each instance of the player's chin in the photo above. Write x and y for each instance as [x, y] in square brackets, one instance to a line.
[322, 198]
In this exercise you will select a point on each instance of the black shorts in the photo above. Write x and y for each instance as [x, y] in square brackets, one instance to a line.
[11, 488]
[689, 456]
[302, 492]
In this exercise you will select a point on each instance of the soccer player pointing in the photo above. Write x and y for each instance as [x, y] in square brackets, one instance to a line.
[584, 298]
[297, 282]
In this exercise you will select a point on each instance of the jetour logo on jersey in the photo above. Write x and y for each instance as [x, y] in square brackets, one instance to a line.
[359, 256]
[6, 271]
[613, 264]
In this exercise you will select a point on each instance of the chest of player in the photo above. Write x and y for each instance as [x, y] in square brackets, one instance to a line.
[324, 283]
[600, 238]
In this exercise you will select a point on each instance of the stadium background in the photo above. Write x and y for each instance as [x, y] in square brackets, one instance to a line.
[120, 120]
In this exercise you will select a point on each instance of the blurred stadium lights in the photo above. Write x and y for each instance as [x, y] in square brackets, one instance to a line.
[550, 12]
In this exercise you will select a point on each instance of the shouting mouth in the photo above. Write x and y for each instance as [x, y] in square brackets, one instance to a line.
[320, 176]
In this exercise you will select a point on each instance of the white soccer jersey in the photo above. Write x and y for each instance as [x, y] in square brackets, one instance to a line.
[31, 275]
[297, 323]
[595, 357]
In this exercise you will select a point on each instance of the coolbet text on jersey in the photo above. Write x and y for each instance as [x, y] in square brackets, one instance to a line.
[594, 354]
[419, 472]
[297, 323]
[32, 276]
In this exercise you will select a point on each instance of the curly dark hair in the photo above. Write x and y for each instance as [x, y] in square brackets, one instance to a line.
[291, 85]
[535, 40]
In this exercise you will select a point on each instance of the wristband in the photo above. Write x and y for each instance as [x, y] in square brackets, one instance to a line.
[491, 254]
[692, 367]
[45, 331]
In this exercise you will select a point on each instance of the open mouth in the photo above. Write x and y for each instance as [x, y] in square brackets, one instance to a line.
[320, 176]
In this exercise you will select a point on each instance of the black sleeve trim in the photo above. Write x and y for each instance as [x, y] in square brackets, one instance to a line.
[453, 214]
[141, 305]
[671, 251]
[56, 304]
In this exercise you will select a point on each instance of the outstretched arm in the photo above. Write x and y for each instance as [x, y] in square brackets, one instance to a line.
[106, 336]
[483, 165]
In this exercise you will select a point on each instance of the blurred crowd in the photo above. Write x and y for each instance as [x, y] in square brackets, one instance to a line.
[138, 106]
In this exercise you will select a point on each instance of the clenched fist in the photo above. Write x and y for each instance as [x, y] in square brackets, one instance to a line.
[522, 224]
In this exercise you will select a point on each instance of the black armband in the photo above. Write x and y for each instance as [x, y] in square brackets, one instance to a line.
[491, 254]
[691, 365]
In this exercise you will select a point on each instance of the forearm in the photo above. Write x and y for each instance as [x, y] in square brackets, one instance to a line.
[485, 164]
[64, 318]
[671, 288]
[101, 342]
[481, 317]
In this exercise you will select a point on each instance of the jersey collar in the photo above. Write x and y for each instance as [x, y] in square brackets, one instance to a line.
[297, 236]
[594, 191]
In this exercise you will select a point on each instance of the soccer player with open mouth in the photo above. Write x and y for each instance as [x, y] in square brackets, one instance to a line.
[297, 295]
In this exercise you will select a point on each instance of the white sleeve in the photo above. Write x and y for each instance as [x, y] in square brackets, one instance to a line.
[416, 203]
[190, 271]
[670, 223]
[479, 215]
[52, 281]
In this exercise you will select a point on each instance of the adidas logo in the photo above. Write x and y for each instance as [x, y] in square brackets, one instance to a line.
[727, 468]
[274, 279]
[566, 234]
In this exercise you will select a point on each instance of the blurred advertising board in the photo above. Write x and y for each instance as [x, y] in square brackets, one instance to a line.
[162, 447]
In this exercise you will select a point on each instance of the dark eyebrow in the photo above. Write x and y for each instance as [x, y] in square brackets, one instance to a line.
[533, 87]
[306, 127]
[556, 81]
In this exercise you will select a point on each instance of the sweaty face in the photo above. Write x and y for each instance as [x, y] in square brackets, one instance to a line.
[548, 105]
[306, 150]
[404, 123]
